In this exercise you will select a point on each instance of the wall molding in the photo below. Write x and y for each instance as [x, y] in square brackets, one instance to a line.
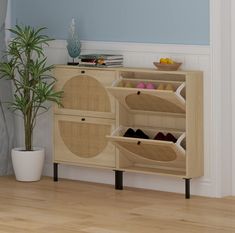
[221, 96]
[215, 41]
[137, 47]
[201, 187]
[232, 91]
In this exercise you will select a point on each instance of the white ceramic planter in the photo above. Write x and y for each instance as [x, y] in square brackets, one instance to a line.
[28, 165]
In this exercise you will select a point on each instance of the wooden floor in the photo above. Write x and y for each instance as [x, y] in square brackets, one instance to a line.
[72, 206]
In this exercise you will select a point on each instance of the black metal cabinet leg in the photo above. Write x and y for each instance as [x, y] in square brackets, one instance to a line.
[187, 188]
[55, 171]
[119, 180]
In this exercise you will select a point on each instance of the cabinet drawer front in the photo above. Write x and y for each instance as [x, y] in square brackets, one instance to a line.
[82, 140]
[139, 99]
[85, 92]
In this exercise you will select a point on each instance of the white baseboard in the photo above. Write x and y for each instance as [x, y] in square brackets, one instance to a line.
[200, 187]
[142, 55]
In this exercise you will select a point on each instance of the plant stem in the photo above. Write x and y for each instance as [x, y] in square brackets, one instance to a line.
[28, 133]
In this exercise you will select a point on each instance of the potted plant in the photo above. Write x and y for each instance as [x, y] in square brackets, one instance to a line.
[33, 87]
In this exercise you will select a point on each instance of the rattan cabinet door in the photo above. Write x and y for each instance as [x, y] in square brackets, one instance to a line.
[85, 92]
[82, 140]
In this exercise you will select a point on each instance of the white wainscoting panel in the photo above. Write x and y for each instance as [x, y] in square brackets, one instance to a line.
[137, 55]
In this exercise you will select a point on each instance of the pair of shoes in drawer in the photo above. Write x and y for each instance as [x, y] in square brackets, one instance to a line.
[140, 134]
[145, 85]
[135, 134]
[167, 137]
[168, 87]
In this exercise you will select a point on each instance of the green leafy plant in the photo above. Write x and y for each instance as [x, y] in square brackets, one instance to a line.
[33, 84]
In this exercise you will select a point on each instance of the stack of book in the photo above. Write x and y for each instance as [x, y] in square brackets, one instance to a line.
[108, 60]
[88, 60]
[101, 60]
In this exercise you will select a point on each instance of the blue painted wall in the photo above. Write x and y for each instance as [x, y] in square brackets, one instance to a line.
[147, 21]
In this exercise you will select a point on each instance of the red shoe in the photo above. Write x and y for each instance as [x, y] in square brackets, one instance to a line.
[160, 136]
[171, 138]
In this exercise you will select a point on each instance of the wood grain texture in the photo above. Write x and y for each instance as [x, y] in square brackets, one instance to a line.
[194, 125]
[145, 102]
[84, 91]
[82, 140]
[135, 99]
[78, 207]
[156, 152]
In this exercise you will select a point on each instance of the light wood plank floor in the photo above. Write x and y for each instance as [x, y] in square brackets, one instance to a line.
[73, 206]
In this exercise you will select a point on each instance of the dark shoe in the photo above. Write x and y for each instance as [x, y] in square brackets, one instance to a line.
[129, 133]
[160, 136]
[171, 138]
[140, 134]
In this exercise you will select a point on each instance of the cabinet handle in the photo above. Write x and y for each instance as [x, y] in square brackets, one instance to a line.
[138, 143]
[83, 72]
[83, 119]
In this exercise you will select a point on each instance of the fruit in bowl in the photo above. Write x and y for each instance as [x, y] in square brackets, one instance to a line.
[167, 64]
[166, 61]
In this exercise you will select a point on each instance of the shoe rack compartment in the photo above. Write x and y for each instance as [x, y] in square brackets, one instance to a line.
[150, 149]
[82, 140]
[170, 100]
[85, 93]
[176, 95]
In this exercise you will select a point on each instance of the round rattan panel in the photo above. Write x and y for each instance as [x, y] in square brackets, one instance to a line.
[163, 153]
[85, 93]
[85, 140]
[145, 102]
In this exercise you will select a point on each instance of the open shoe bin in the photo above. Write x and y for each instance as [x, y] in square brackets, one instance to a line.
[154, 100]
[149, 154]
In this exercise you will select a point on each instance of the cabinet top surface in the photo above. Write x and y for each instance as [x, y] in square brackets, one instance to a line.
[129, 69]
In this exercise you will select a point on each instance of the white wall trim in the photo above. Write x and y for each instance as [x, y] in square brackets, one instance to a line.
[215, 34]
[221, 96]
[233, 92]
[135, 180]
[226, 108]
[137, 47]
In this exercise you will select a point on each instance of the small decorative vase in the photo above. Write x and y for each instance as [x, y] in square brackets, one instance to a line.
[73, 43]
[28, 165]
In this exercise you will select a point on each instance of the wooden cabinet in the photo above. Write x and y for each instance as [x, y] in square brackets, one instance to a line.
[100, 105]
[87, 116]
[175, 106]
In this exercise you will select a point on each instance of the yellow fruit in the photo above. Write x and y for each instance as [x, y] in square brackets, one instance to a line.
[170, 61]
[163, 60]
